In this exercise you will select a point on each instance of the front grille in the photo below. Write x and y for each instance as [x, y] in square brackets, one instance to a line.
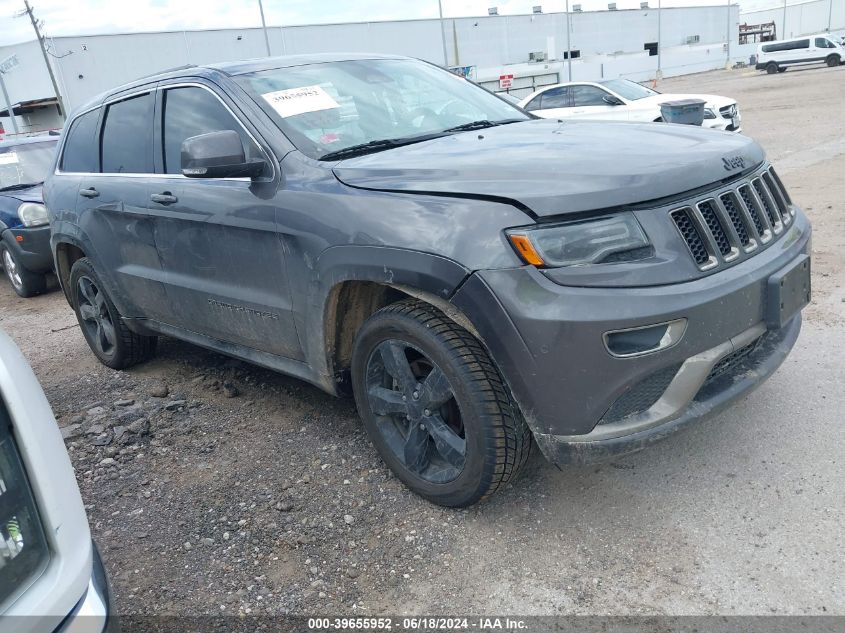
[692, 236]
[728, 112]
[641, 396]
[708, 211]
[748, 215]
[731, 205]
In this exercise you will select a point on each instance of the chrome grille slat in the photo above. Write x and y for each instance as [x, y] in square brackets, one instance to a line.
[743, 230]
[768, 205]
[778, 196]
[735, 221]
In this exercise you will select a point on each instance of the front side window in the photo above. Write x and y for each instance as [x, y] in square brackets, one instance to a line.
[326, 108]
[80, 152]
[127, 140]
[587, 96]
[25, 165]
[191, 111]
[555, 98]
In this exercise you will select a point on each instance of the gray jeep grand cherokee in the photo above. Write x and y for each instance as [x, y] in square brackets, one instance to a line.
[472, 275]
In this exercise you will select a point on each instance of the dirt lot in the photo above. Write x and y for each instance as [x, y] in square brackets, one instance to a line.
[216, 487]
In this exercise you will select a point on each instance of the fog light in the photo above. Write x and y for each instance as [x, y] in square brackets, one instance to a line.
[645, 339]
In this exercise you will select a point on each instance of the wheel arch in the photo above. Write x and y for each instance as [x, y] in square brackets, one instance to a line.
[67, 252]
[357, 281]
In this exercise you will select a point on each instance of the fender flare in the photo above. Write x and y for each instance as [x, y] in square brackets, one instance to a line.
[427, 276]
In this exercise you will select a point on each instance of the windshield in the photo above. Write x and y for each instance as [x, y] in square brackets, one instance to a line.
[628, 89]
[324, 108]
[26, 163]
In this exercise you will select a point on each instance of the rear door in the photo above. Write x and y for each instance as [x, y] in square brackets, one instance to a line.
[112, 207]
[551, 103]
[217, 238]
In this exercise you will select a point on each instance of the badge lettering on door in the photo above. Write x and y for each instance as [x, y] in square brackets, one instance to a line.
[733, 162]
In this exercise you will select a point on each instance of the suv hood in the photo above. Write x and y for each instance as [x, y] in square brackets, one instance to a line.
[554, 167]
[30, 194]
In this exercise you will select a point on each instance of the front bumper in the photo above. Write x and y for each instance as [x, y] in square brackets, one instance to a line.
[92, 614]
[547, 341]
[31, 247]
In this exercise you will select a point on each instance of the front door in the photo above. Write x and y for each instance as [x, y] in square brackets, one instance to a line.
[217, 238]
[588, 102]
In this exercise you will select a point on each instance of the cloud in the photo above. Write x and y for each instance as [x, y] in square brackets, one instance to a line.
[85, 17]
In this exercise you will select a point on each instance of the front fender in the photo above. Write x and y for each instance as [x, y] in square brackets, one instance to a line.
[414, 272]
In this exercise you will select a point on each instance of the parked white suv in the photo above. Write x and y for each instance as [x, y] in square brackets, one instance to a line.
[623, 100]
[51, 576]
[775, 57]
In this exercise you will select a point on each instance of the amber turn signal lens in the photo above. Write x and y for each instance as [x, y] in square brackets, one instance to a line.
[526, 250]
[19, 238]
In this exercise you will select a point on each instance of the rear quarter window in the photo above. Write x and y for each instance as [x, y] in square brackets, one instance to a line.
[80, 151]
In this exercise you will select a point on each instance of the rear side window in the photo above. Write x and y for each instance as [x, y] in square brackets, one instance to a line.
[192, 111]
[786, 46]
[127, 141]
[80, 153]
[555, 98]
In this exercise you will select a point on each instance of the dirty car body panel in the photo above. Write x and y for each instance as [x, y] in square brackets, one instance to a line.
[255, 267]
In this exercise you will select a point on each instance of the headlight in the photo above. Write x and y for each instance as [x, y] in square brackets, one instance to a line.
[33, 214]
[23, 547]
[709, 113]
[592, 241]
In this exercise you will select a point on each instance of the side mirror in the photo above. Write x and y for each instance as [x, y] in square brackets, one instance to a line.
[218, 155]
[611, 100]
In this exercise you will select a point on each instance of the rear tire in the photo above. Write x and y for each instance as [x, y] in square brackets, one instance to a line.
[772, 68]
[114, 344]
[833, 61]
[24, 282]
[435, 406]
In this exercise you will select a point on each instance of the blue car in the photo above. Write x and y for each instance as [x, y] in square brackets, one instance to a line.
[24, 226]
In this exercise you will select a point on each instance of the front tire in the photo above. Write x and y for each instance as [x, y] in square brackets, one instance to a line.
[24, 282]
[435, 406]
[114, 344]
[833, 61]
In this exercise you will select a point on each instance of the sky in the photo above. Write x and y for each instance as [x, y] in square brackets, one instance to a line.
[83, 17]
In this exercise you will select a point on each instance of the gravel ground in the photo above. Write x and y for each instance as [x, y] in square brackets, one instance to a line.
[216, 487]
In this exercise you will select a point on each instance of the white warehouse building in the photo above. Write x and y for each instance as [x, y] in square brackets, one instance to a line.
[531, 47]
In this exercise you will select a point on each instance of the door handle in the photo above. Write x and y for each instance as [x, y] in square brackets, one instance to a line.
[164, 198]
[89, 193]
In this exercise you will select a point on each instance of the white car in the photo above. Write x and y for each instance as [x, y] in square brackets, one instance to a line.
[623, 100]
[51, 576]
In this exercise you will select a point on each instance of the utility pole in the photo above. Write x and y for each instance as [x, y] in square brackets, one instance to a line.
[659, 43]
[829, 15]
[9, 105]
[443, 35]
[783, 37]
[264, 27]
[568, 47]
[728, 39]
[37, 26]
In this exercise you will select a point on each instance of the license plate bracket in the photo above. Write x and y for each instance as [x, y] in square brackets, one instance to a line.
[788, 292]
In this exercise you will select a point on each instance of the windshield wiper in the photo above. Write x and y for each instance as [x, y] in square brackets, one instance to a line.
[480, 125]
[377, 145]
[21, 185]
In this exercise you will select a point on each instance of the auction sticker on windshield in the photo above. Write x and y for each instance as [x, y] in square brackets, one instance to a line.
[300, 100]
[9, 158]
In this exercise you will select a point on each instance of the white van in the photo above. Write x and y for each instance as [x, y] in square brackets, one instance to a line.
[774, 57]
